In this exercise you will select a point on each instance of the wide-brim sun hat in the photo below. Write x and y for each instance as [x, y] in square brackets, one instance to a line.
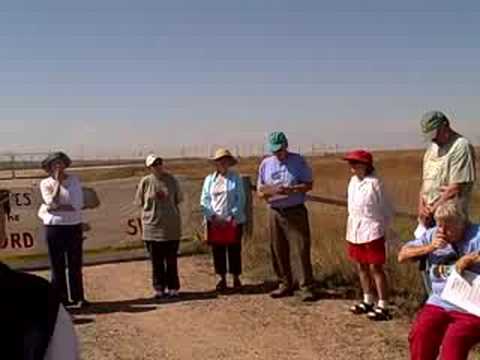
[361, 156]
[224, 153]
[51, 158]
[150, 160]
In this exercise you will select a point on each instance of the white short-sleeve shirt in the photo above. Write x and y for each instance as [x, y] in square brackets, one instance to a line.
[70, 194]
[369, 210]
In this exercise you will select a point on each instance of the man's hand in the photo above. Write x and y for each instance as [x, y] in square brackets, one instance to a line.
[446, 193]
[425, 213]
[269, 190]
[450, 191]
[285, 190]
[466, 262]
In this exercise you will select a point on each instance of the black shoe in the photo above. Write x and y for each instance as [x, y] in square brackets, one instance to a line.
[281, 292]
[221, 285]
[361, 308]
[307, 296]
[69, 304]
[379, 314]
[237, 284]
[83, 304]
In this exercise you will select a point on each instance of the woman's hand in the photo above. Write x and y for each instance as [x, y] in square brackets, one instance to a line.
[161, 195]
[63, 207]
[217, 220]
[439, 241]
[59, 176]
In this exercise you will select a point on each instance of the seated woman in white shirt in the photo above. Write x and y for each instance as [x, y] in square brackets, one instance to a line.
[369, 214]
[61, 214]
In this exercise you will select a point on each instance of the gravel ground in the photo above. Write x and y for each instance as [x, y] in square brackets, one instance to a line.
[125, 323]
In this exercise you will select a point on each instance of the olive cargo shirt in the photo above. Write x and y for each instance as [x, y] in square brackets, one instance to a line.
[160, 216]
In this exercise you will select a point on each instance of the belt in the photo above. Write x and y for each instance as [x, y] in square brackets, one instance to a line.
[289, 208]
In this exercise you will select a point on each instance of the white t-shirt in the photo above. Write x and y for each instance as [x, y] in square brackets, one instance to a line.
[369, 210]
[219, 196]
[70, 194]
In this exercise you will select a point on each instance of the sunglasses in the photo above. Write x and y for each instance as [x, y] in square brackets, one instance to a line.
[355, 162]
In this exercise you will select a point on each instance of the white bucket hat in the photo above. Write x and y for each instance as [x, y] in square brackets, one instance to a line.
[151, 159]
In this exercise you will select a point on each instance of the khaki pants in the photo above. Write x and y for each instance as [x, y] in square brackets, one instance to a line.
[290, 230]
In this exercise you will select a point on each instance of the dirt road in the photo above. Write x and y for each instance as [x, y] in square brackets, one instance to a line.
[124, 323]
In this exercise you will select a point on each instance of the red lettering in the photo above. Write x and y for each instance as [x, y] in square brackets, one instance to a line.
[15, 241]
[28, 241]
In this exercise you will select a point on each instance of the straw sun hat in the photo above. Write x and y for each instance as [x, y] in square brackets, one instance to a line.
[224, 153]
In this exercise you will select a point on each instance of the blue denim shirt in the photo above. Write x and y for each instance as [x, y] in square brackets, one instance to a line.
[235, 197]
[293, 170]
[442, 261]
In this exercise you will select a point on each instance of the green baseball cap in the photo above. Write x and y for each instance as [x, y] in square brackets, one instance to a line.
[276, 140]
[430, 123]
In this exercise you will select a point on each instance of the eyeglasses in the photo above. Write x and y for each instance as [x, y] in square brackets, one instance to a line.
[157, 163]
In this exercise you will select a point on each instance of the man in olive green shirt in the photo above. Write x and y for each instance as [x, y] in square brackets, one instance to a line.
[448, 167]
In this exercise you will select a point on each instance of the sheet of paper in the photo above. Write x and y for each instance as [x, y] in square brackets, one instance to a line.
[463, 291]
[277, 197]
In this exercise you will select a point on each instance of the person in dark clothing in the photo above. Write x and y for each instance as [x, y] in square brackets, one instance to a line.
[60, 212]
[33, 323]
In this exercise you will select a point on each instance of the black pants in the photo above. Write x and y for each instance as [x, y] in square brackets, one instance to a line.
[163, 255]
[65, 244]
[232, 252]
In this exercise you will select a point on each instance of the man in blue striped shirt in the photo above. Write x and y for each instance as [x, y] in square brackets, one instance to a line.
[283, 181]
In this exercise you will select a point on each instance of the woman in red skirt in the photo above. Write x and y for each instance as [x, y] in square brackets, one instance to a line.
[369, 213]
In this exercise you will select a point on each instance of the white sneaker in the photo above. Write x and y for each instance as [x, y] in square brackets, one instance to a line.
[173, 293]
[159, 294]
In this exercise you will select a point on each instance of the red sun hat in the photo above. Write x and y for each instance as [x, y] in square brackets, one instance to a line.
[360, 156]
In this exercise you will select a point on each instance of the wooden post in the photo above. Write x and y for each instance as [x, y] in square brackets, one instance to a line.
[12, 162]
[4, 211]
[247, 186]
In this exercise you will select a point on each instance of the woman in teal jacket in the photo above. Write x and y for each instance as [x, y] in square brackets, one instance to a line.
[223, 206]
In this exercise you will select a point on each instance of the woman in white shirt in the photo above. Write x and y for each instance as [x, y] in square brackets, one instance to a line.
[223, 205]
[61, 214]
[369, 214]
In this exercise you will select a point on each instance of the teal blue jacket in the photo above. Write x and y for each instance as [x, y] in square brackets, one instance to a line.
[235, 197]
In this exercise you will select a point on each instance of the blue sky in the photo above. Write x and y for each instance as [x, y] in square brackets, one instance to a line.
[115, 76]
